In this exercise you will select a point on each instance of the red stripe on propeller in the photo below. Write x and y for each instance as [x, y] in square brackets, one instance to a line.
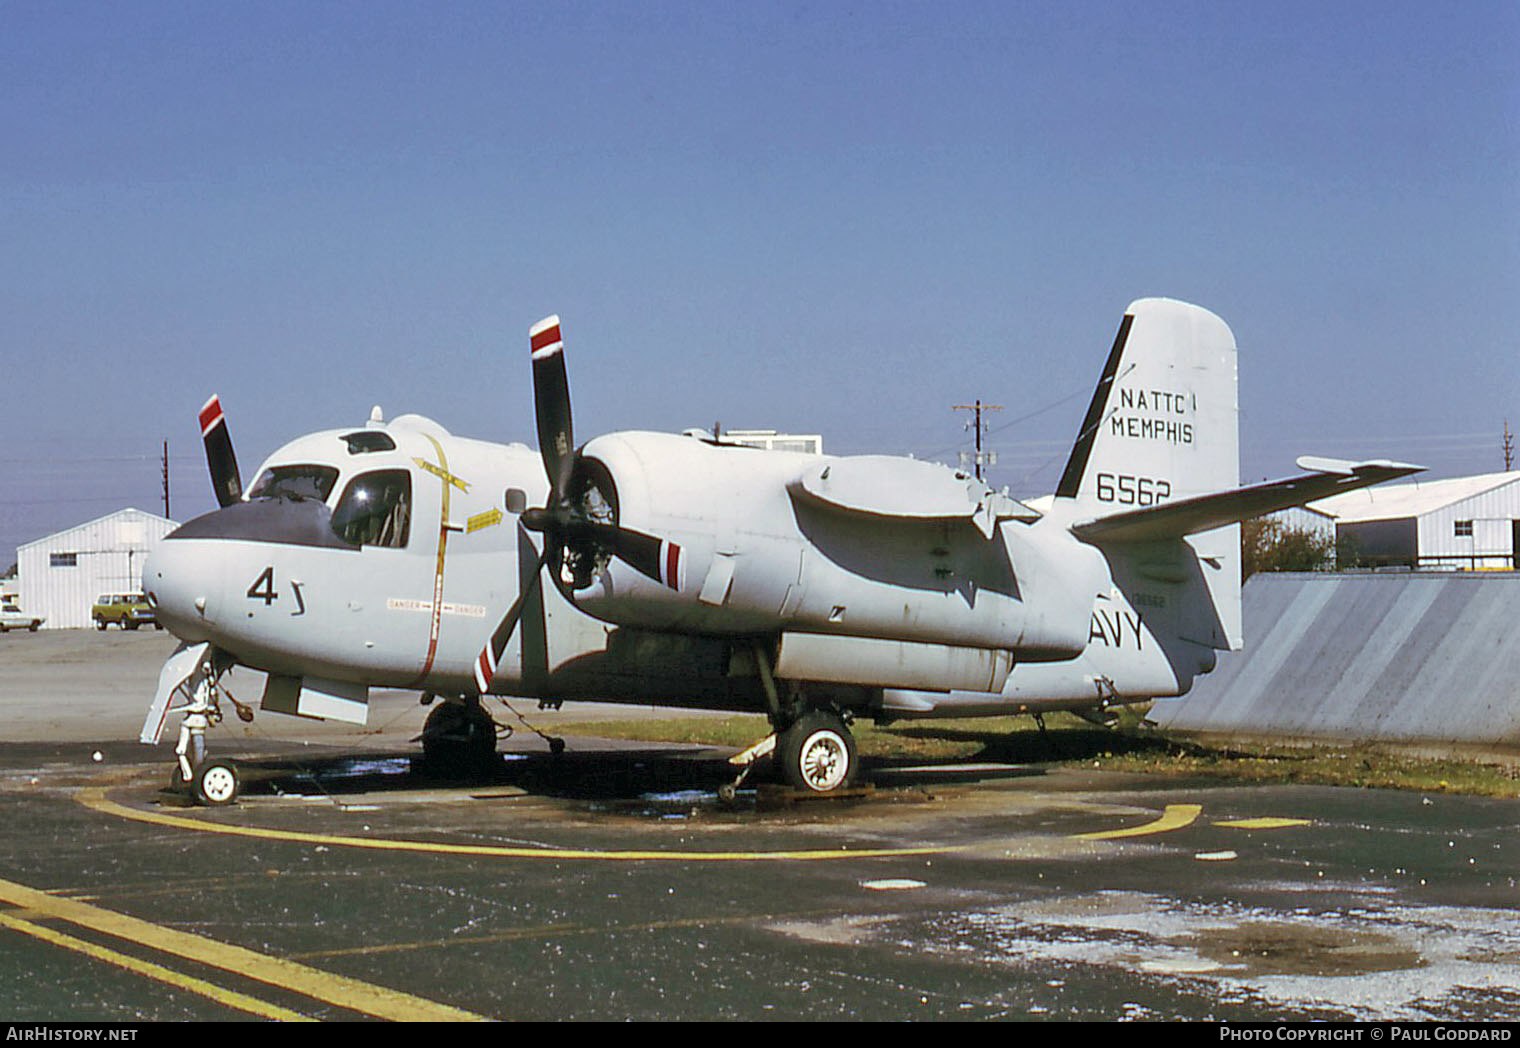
[547, 337]
[211, 414]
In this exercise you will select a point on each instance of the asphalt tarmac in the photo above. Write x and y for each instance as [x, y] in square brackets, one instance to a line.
[610, 882]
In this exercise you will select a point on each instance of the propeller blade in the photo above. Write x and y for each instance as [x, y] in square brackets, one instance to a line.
[489, 660]
[655, 558]
[226, 483]
[551, 402]
[563, 525]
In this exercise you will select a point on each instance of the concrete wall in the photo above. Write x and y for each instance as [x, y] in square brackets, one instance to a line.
[1416, 657]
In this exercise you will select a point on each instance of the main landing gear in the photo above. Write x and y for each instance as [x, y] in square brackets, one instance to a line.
[459, 736]
[812, 748]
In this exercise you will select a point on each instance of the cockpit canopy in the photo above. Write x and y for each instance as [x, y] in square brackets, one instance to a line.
[295, 482]
[375, 508]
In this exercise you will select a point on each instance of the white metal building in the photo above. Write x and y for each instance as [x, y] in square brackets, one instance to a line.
[1467, 523]
[61, 575]
[808, 443]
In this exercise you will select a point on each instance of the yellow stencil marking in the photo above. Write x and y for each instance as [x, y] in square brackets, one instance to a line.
[442, 472]
[288, 975]
[480, 521]
[1175, 817]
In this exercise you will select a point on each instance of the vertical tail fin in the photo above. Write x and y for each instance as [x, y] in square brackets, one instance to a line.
[1163, 425]
[1163, 422]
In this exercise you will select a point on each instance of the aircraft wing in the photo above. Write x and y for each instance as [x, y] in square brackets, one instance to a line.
[905, 489]
[1203, 512]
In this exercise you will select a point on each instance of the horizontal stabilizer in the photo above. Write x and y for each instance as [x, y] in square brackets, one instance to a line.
[1189, 516]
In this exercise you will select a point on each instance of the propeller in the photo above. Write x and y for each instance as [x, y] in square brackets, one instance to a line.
[225, 480]
[579, 519]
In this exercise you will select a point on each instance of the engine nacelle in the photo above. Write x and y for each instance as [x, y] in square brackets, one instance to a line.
[752, 550]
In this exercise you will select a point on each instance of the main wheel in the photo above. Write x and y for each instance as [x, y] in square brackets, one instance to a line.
[817, 753]
[215, 783]
[459, 738]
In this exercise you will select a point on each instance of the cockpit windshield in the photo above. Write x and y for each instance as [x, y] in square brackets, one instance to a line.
[376, 509]
[295, 482]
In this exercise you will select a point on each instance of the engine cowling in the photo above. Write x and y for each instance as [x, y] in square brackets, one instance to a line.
[750, 549]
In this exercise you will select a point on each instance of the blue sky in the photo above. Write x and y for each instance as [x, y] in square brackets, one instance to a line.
[836, 218]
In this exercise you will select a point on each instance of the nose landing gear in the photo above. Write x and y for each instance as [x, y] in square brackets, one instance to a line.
[213, 782]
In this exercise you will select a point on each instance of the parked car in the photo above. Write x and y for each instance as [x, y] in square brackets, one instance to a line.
[127, 610]
[13, 618]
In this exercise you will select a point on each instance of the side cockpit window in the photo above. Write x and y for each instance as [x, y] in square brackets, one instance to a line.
[376, 509]
[295, 482]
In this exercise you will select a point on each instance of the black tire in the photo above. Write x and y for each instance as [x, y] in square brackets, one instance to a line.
[459, 738]
[216, 783]
[817, 753]
[100, 624]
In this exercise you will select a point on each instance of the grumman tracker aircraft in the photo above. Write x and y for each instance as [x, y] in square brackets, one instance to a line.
[686, 572]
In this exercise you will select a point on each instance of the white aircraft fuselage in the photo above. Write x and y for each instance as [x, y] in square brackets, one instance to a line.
[675, 570]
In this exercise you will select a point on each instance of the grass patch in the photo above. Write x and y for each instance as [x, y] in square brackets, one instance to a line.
[1071, 741]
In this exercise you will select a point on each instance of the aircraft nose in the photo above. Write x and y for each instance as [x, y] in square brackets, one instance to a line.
[177, 577]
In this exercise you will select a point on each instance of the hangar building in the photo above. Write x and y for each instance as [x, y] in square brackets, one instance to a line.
[1466, 523]
[61, 575]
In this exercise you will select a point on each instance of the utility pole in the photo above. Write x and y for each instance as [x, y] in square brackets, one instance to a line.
[981, 458]
[1509, 448]
[166, 480]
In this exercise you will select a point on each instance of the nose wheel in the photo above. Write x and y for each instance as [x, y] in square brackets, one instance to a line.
[214, 783]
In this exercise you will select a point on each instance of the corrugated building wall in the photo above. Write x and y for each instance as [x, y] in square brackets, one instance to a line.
[61, 575]
[1429, 658]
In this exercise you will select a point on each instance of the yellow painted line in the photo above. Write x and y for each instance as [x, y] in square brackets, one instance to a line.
[1262, 824]
[231, 998]
[1175, 817]
[338, 990]
[95, 799]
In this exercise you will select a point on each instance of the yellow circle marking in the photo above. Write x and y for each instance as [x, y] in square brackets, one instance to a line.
[1265, 823]
[95, 798]
[1175, 817]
